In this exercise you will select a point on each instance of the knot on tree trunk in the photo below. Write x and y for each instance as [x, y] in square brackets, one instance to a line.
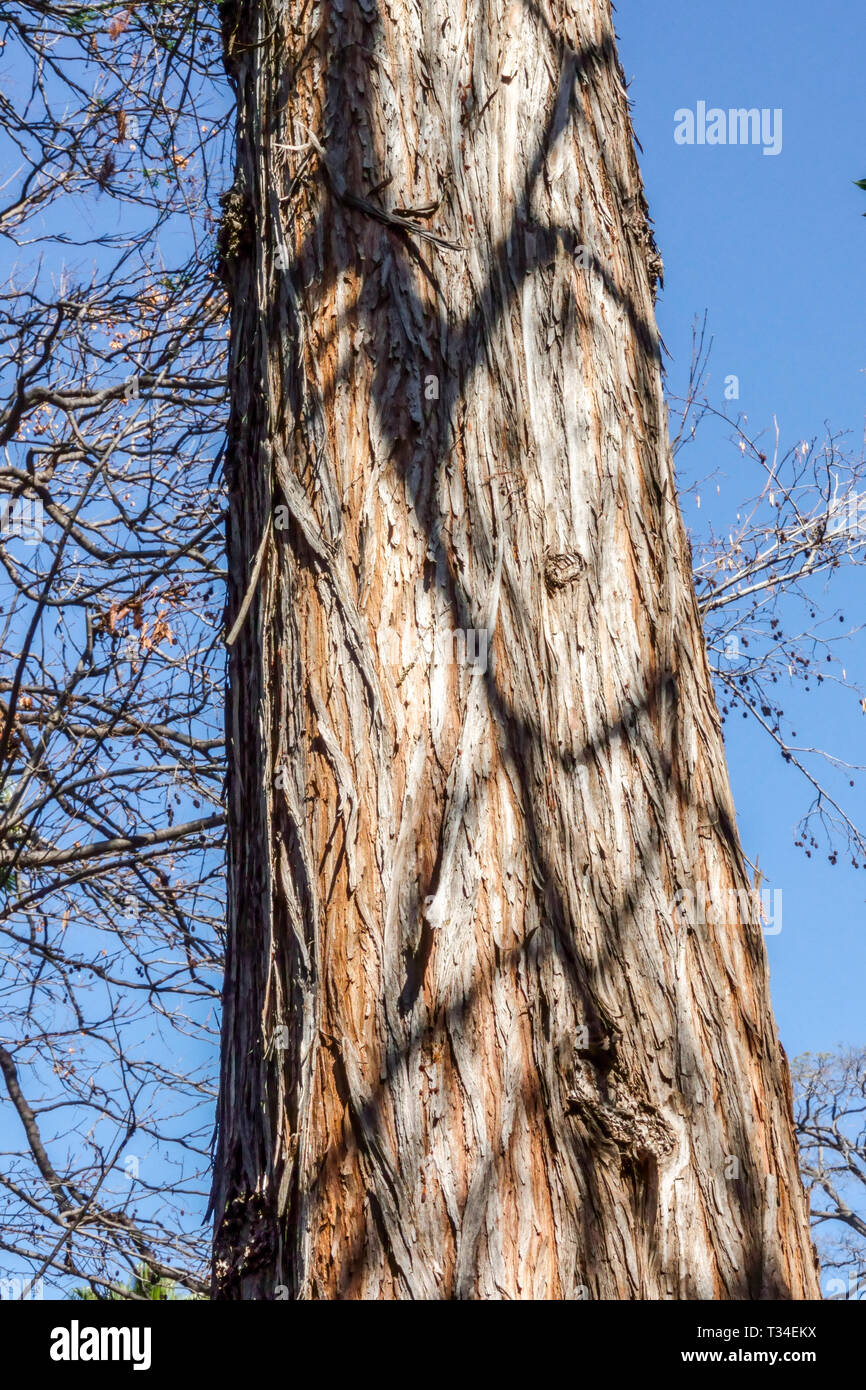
[632, 1124]
[560, 570]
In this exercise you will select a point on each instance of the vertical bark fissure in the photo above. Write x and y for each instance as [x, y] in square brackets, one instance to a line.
[469, 1047]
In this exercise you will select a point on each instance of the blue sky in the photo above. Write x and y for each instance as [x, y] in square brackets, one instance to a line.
[774, 249]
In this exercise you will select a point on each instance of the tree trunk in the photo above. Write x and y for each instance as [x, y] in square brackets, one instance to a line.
[475, 1044]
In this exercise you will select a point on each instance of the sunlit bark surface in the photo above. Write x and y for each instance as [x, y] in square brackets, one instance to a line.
[472, 1048]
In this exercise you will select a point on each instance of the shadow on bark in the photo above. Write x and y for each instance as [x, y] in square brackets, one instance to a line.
[266, 1226]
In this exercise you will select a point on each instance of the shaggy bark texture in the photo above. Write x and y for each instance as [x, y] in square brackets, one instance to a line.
[473, 1047]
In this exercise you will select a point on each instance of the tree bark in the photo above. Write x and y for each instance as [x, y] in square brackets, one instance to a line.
[474, 1046]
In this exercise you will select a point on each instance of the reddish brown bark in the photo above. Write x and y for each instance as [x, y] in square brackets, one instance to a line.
[472, 1048]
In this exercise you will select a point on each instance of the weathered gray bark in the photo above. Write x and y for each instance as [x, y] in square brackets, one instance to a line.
[471, 1049]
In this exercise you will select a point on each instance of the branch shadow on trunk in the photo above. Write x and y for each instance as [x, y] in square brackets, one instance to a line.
[524, 744]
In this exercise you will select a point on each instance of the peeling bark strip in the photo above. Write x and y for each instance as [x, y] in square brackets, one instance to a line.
[470, 1048]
